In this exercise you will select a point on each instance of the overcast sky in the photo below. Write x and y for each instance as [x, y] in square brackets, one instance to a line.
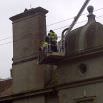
[61, 13]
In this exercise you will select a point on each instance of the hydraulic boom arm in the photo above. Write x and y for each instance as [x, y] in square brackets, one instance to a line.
[67, 30]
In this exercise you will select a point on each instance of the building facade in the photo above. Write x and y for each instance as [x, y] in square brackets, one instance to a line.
[74, 77]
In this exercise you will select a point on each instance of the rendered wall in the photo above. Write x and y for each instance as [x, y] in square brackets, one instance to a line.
[37, 99]
[71, 95]
[69, 72]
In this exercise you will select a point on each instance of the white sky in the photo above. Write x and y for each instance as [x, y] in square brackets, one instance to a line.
[59, 10]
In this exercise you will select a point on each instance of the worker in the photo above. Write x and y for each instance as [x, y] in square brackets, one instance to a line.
[53, 40]
[44, 46]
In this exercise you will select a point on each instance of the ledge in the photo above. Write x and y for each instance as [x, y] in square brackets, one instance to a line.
[86, 53]
[29, 12]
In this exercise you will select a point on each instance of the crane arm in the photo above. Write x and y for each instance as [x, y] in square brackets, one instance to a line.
[78, 15]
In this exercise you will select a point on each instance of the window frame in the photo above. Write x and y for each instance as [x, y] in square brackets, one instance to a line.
[85, 99]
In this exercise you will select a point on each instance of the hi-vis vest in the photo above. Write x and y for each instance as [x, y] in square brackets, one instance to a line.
[45, 45]
[53, 36]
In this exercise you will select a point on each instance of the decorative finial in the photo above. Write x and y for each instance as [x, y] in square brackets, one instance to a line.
[91, 16]
[90, 9]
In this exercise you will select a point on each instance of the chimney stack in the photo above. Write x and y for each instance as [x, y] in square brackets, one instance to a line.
[29, 30]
